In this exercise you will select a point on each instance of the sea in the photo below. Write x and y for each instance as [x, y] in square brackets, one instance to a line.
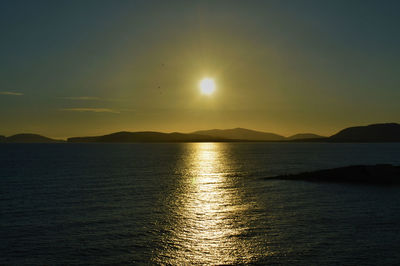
[193, 204]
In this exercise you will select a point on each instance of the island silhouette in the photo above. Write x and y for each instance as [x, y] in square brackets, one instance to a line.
[389, 132]
[28, 138]
[385, 132]
[240, 133]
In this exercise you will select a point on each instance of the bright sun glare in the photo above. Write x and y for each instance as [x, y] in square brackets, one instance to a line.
[207, 86]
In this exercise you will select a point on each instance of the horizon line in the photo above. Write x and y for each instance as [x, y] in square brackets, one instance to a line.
[191, 132]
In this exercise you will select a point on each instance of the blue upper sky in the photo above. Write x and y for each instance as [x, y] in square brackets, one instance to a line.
[92, 67]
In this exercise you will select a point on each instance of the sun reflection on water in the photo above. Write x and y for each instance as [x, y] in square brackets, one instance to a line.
[208, 211]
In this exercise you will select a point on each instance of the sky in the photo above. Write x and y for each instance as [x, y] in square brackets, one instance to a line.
[78, 68]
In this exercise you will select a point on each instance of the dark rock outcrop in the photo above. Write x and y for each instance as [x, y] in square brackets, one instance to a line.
[380, 174]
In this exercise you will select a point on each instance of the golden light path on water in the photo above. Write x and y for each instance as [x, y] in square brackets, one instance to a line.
[209, 211]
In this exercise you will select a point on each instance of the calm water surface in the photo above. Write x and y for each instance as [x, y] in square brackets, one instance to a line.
[195, 203]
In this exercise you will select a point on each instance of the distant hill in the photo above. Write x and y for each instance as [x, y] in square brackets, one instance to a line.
[147, 136]
[305, 136]
[240, 134]
[389, 132]
[29, 138]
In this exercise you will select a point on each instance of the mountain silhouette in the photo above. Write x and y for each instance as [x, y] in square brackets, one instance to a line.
[29, 138]
[389, 132]
[241, 134]
[147, 136]
[305, 136]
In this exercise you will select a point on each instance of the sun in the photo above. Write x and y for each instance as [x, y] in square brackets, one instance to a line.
[207, 86]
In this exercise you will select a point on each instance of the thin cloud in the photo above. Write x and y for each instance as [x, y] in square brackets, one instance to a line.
[82, 98]
[93, 110]
[11, 93]
[91, 98]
